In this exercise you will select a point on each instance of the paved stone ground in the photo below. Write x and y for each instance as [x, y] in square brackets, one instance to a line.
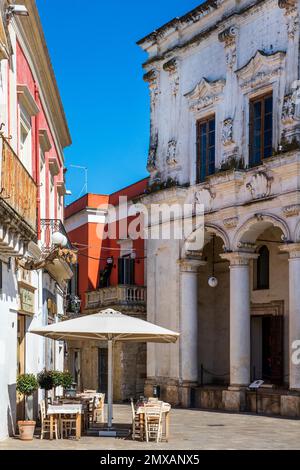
[190, 430]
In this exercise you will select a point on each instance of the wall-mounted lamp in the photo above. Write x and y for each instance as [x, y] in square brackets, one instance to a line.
[18, 10]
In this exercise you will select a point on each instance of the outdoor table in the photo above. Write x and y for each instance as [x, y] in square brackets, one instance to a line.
[166, 408]
[58, 410]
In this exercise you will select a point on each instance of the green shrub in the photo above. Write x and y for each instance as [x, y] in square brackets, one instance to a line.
[27, 384]
[45, 379]
[66, 379]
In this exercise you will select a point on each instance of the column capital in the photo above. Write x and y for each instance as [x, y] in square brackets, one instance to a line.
[239, 258]
[293, 249]
[191, 265]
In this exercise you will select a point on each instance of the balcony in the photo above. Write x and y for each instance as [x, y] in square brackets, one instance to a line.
[126, 298]
[57, 250]
[18, 193]
[49, 227]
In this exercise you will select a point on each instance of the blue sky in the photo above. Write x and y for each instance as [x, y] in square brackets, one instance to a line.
[98, 68]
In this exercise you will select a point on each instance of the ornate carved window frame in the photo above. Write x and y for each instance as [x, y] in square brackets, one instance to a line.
[262, 74]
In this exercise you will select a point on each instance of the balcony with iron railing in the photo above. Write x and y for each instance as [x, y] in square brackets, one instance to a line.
[18, 193]
[126, 297]
[53, 233]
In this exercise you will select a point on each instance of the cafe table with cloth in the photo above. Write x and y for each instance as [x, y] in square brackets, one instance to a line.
[66, 409]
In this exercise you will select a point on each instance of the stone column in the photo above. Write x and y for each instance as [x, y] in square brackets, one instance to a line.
[189, 326]
[294, 311]
[239, 328]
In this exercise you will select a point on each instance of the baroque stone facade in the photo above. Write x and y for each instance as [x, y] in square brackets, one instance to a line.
[251, 208]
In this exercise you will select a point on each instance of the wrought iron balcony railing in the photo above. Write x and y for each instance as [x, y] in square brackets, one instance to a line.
[48, 228]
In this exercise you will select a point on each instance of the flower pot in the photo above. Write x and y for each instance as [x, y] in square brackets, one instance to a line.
[26, 430]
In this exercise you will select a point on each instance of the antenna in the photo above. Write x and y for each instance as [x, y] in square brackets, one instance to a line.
[85, 187]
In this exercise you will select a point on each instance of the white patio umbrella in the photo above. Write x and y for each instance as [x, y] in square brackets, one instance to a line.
[111, 326]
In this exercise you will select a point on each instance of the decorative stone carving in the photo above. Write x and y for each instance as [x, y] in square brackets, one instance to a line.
[287, 4]
[292, 16]
[152, 155]
[261, 69]
[152, 77]
[291, 211]
[206, 93]
[227, 132]
[205, 196]
[288, 109]
[231, 222]
[228, 37]
[260, 185]
[171, 154]
[172, 68]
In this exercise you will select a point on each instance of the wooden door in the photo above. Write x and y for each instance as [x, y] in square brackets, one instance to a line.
[276, 335]
[20, 363]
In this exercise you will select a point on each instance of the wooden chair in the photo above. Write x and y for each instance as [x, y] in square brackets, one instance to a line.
[99, 408]
[67, 425]
[45, 422]
[153, 422]
[91, 406]
[136, 426]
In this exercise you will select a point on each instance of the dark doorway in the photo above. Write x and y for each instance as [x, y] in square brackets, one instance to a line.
[267, 348]
[102, 370]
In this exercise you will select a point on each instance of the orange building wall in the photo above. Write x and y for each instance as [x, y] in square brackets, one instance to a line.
[94, 251]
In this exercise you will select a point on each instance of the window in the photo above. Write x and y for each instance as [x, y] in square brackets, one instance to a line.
[206, 148]
[126, 271]
[263, 269]
[25, 141]
[261, 129]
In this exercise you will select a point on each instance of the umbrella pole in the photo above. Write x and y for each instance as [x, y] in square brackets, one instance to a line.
[110, 383]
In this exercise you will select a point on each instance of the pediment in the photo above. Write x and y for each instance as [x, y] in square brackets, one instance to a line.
[205, 93]
[261, 65]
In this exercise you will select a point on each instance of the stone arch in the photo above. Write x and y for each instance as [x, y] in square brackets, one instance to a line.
[297, 233]
[253, 227]
[209, 228]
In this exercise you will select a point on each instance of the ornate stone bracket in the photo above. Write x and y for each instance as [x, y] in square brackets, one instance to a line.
[229, 37]
[205, 196]
[227, 132]
[152, 78]
[152, 155]
[289, 109]
[231, 223]
[260, 185]
[291, 211]
[172, 68]
[171, 154]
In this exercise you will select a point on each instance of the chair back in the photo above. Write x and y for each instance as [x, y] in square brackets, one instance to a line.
[132, 408]
[89, 391]
[43, 410]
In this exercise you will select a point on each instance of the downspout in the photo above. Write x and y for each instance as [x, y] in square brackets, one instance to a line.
[37, 165]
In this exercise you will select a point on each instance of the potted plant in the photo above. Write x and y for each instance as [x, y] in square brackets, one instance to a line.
[26, 385]
[46, 381]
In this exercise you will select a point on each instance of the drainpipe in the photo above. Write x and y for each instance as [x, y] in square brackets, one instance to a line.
[37, 165]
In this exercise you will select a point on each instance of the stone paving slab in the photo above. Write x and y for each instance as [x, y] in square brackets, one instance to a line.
[190, 430]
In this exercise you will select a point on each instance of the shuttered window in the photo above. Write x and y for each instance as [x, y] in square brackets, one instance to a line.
[206, 148]
[261, 129]
[126, 268]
